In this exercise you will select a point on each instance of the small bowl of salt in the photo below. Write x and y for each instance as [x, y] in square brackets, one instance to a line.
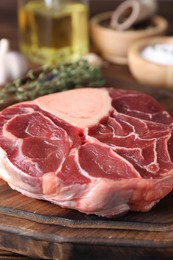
[151, 61]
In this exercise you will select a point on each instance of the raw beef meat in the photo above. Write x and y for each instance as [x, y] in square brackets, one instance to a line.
[99, 151]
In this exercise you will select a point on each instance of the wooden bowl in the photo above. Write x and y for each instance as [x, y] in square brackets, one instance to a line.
[112, 44]
[149, 72]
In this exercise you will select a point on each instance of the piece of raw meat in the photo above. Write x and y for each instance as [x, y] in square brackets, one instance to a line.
[99, 151]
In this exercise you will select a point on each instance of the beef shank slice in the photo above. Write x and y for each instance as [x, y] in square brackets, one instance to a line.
[100, 151]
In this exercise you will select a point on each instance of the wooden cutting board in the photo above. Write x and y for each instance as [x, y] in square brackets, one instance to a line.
[40, 229]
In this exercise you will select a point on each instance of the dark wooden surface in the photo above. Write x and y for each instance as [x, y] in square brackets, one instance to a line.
[38, 229]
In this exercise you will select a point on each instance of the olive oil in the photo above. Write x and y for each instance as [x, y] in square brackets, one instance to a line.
[50, 34]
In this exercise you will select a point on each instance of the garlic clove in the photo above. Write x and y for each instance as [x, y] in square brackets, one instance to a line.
[94, 60]
[18, 65]
[13, 65]
[4, 77]
[4, 47]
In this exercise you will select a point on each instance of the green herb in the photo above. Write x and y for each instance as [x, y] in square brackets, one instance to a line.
[52, 79]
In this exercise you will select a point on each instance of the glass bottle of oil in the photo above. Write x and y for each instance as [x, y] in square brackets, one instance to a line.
[53, 31]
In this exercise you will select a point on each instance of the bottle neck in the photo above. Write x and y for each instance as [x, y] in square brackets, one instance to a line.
[54, 3]
[59, 3]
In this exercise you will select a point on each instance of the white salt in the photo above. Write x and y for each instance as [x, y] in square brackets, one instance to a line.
[159, 53]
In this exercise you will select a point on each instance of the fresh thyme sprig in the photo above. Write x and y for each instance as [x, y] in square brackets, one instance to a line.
[52, 79]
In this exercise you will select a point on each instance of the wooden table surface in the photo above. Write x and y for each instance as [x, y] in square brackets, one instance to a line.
[117, 73]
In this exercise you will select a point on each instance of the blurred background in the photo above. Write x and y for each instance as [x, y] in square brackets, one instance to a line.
[8, 15]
